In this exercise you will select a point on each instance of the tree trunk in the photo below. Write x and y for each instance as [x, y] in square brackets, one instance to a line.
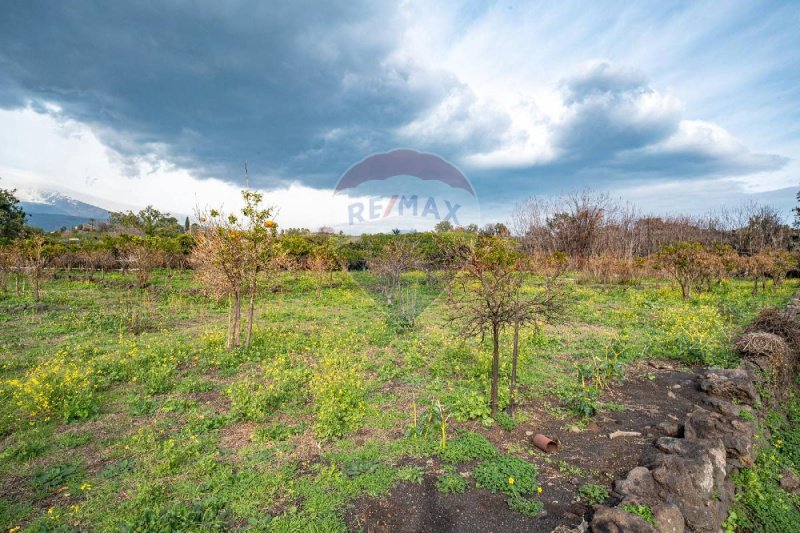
[514, 353]
[250, 313]
[495, 366]
[237, 319]
[755, 286]
[229, 343]
[685, 291]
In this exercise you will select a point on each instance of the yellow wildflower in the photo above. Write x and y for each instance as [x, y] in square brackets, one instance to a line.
[511, 481]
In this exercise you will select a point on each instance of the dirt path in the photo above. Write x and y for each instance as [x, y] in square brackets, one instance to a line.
[649, 396]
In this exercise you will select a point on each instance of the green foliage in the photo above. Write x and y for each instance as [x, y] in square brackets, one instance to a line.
[642, 511]
[582, 400]
[202, 516]
[592, 494]
[360, 465]
[505, 421]
[526, 506]
[411, 474]
[470, 404]
[52, 477]
[451, 482]
[506, 474]
[186, 451]
[260, 393]
[278, 432]
[467, 447]
[602, 371]
[12, 217]
[761, 505]
[339, 395]
[59, 387]
[693, 334]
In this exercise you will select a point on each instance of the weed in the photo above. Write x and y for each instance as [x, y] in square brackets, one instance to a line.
[59, 387]
[411, 474]
[451, 482]
[506, 474]
[360, 465]
[277, 432]
[592, 494]
[505, 421]
[468, 446]
[582, 400]
[52, 477]
[642, 511]
[339, 397]
[526, 506]
[259, 394]
[206, 516]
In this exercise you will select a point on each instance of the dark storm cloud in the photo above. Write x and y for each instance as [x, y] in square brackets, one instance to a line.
[305, 89]
[216, 83]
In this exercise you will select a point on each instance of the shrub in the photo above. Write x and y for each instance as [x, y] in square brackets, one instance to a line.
[506, 474]
[339, 393]
[56, 388]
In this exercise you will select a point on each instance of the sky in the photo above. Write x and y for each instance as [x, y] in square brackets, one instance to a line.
[675, 106]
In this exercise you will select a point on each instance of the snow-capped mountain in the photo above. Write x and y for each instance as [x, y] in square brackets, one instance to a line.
[51, 210]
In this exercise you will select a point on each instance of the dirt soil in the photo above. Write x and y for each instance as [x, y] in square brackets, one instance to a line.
[649, 395]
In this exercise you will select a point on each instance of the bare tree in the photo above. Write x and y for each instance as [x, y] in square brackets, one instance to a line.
[35, 258]
[485, 296]
[396, 257]
[143, 255]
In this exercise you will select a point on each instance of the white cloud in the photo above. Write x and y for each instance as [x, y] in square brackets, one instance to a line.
[45, 151]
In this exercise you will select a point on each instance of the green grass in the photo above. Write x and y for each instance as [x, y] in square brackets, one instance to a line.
[150, 424]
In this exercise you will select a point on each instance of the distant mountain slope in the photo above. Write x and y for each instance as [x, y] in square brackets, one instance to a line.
[54, 221]
[51, 211]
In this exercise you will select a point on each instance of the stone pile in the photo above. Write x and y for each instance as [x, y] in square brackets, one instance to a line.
[686, 481]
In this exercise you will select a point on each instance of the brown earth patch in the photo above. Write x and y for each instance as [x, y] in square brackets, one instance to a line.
[649, 396]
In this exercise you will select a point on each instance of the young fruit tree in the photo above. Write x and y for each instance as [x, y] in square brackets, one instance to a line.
[229, 253]
[34, 252]
[485, 296]
[683, 262]
[260, 254]
[395, 258]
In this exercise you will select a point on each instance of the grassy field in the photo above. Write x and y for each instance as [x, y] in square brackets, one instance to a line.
[121, 409]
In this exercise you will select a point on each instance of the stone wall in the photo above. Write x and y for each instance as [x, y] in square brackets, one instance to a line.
[686, 480]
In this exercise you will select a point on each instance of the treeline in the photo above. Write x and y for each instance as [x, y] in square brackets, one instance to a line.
[588, 233]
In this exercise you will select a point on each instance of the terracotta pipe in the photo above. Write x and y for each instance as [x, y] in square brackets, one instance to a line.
[546, 444]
